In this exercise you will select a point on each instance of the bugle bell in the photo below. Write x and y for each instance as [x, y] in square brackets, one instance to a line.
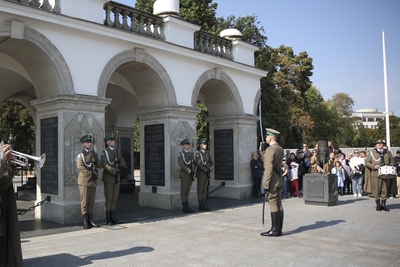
[22, 159]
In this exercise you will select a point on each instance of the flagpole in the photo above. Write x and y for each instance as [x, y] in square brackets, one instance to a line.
[386, 91]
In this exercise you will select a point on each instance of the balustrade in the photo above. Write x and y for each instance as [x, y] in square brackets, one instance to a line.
[130, 19]
[42, 4]
[214, 45]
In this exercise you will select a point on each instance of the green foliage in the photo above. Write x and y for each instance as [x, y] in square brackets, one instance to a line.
[201, 12]
[16, 127]
[248, 26]
[203, 127]
[394, 126]
[343, 103]
[136, 135]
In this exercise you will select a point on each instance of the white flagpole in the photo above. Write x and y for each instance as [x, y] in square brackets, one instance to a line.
[386, 91]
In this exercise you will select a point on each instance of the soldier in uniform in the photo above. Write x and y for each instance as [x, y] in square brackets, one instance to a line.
[10, 240]
[203, 173]
[273, 182]
[111, 160]
[186, 174]
[377, 186]
[87, 163]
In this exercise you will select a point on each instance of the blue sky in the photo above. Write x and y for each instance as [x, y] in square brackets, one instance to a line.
[344, 38]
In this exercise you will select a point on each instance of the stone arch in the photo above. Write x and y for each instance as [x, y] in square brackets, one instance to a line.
[220, 91]
[256, 101]
[139, 58]
[35, 59]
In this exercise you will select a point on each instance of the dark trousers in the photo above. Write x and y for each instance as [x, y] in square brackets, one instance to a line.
[256, 186]
[348, 186]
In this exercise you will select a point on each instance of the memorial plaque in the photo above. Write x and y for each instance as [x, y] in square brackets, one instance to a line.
[126, 152]
[49, 146]
[154, 161]
[224, 156]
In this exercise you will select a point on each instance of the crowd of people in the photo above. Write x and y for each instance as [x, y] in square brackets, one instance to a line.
[351, 170]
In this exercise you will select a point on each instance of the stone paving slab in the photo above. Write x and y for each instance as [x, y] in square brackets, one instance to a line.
[351, 233]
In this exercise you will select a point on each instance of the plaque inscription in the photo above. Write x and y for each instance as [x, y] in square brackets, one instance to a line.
[49, 146]
[223, 150]
[154, 155]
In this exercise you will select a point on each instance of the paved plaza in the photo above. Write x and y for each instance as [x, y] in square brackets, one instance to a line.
[350, 233]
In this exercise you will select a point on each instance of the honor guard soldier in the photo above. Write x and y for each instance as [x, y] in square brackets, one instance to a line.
[87, 163]
[186, 174]
[111, 160]
[373, 184]
[203, 173]
[273, 182]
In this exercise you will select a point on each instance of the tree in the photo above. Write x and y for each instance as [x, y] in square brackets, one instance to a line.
[203, 127]
[16, 127]
[394, 126]
[248, 26]
[343, 103]
[201, 12]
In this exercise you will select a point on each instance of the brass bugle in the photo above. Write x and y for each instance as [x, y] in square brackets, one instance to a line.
[22, 159]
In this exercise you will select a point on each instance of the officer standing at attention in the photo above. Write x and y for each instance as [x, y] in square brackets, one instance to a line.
[203, 174]
[186, 174]
[111, 160]
[378, 187]
[87, 163]
[273, 182]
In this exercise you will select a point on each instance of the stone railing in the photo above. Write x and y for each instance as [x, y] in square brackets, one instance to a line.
[130, 19]
[214, 45]
[44, 4]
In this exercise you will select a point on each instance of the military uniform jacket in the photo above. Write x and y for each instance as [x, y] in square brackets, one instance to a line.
[85, 176]
[203, 160]
[185, 160]
[273, 156]
[374, 158]
[110, 174]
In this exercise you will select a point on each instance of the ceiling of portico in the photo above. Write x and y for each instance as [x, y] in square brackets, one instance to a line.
[217, 97]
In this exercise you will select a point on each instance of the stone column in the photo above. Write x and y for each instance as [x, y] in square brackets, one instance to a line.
[61, 120]
[161, 131]
[235, 171]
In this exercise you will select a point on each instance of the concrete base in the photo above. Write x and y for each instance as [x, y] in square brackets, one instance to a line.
[231, 192]
[165, 200]
[69, 213]
[320, 189]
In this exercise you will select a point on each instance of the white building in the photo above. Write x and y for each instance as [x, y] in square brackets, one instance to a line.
[94, 66]
[369, 117]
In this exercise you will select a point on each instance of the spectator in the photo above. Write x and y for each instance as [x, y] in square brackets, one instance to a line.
[305, 150]
[285, 172]
[314, 162]
[256, 171]
[340, 173]
[287, 155]
[397, 162]
[349, 156]
[357, 164]
[307, 162]
[348, 174]
[337, 152]
[292, 157]
[330, 149]
[363, 155]
[294, 179]
[330, 164]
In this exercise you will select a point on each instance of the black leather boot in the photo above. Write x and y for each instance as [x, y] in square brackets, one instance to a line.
[93, 224]
[188, 208]
[276, 224]
[281, 217]
[113, 219]
[85, 222]
[378, 205]
[185, 210]
[108, 218]
[201, 207]
[383, 206]
[205, 207]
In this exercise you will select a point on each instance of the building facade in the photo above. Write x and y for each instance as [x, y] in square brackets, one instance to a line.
[94, 66]
[369, 117]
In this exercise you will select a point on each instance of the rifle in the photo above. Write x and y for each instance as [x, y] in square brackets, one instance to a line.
[94, 170]
[117, 160]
